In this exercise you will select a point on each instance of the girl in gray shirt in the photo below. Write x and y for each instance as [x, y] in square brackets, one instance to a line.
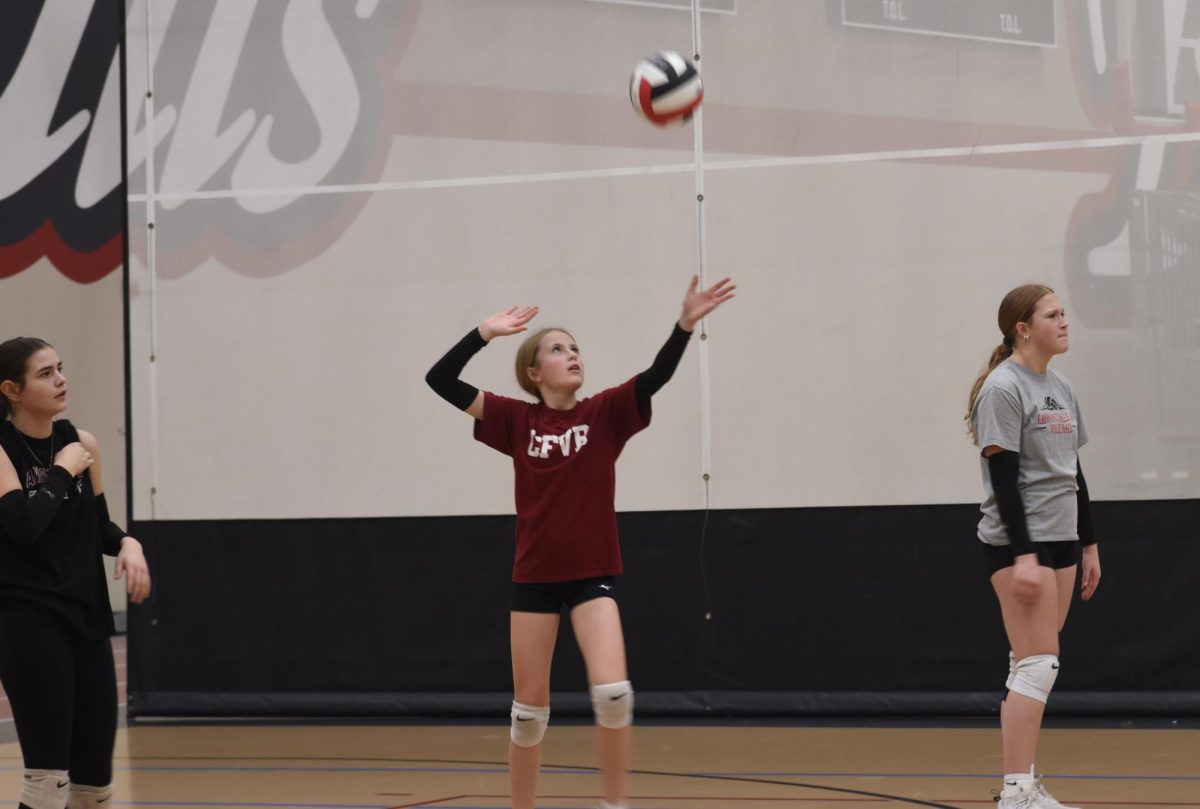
[1035, 516]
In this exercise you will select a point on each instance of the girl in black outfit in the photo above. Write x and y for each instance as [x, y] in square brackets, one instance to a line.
[56, 660]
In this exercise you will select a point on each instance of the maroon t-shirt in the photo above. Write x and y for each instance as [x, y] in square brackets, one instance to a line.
[565, 464]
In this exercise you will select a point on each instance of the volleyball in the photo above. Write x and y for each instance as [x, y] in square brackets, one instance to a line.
[665, 89]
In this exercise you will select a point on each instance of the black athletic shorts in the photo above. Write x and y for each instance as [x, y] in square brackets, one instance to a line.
[553, 596]
[1057, 555]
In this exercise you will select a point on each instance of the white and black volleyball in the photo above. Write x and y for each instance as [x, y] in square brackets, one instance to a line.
[665, 89]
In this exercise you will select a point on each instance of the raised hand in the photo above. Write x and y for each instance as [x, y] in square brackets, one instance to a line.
[502, 324]
[697, 302]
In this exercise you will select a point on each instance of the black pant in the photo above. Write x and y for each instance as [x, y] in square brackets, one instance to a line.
[63, 690]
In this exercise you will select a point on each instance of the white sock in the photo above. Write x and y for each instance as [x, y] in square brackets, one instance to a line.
[606, 805]
[45, 789]
[83, 796]
[1022, 781]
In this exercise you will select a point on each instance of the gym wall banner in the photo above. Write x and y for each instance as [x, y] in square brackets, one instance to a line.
[61, 186]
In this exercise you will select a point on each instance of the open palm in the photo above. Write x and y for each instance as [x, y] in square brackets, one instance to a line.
[511, 321]
[697, 303]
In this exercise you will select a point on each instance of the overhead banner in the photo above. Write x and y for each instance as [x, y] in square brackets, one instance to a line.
[61, 187]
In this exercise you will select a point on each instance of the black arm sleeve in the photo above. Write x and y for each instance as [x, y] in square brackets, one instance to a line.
[111, 534]
[1003, 468]
[443, 376]
[25, 518]
[1087, 532]
[651, 380]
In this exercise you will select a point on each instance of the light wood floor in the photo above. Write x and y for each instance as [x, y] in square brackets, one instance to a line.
[678, 767]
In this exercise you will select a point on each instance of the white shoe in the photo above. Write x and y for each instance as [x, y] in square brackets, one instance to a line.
[1016, 797]
[1044, 800]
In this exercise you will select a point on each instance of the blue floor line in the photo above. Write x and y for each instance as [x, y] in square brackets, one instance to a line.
[549, 770]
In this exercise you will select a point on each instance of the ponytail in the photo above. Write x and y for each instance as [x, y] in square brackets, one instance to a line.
[1002, 352]
[1018, 306]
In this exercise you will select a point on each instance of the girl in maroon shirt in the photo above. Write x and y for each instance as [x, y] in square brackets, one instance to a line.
[564, 453]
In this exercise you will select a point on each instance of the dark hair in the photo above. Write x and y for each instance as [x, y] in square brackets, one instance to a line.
[14, 357]
[1018, 306]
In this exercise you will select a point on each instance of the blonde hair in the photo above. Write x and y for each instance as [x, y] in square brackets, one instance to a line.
[1018, 306]
[527, 358]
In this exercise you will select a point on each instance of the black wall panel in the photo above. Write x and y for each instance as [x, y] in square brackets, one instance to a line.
[867, 610]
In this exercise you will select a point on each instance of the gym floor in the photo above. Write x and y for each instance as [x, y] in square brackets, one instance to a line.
[678, 766]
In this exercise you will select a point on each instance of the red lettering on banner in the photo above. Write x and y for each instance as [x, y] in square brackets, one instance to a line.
[80, 267]
[66, 191]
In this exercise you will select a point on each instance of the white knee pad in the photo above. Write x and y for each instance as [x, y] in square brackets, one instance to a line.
[528, 724]
[1012, 670]
[45, 789]
[1034, 676]
[83, 796]
[613, 704]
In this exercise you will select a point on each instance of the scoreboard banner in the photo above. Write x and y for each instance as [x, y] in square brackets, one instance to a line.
[1020, 22]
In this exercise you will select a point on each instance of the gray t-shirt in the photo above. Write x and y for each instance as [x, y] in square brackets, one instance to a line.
[1037, 416]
